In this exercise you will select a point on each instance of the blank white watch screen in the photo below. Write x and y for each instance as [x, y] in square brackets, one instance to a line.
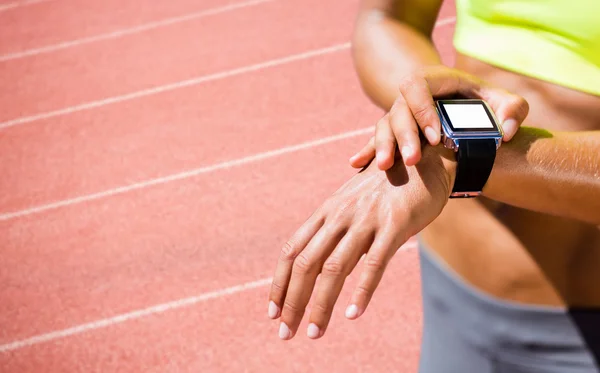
[468, 116]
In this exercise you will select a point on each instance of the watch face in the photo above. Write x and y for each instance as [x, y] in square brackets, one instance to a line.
[467, 116]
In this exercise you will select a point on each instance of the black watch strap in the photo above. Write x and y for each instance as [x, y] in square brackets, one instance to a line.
[475, 160]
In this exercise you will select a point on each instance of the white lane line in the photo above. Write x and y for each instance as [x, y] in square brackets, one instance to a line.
[177, 85]
[152, 310]
[129, 31]
[185, 174]
[18, 4]
[118, 319]
[186, 83]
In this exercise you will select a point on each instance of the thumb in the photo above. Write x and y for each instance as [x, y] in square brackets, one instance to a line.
[510, 109]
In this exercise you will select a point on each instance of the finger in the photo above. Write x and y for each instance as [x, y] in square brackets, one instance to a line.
[510, 109]
[406, 132]
[419, 99]
[385, 144]
[445, 81]
[375, 262]
[289, 252]
[365, 155]
[335, 270]
[306, 268]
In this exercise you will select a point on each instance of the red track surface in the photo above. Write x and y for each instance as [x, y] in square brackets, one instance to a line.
[80, 253]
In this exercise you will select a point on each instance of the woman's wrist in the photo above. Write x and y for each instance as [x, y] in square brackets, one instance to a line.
[444, 159]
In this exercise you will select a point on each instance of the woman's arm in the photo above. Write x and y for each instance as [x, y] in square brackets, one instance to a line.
[392, 38]
[397, 64]
[552, 172]
[556, 173]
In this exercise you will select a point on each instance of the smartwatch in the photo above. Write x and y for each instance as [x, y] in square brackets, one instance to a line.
[470, 128]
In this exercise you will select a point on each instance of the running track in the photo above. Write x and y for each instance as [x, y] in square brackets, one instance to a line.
[154, 157]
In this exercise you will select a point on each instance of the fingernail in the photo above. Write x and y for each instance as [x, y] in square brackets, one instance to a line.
[313, 331]
[273, 310]
[284, 332]
[431, 134]
[352, 311]
[407, 152]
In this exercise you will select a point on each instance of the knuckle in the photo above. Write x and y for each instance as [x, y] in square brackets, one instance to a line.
[398, 115]
[522, 106]
[292, 307]
[367, 221]
[391, 218]
[343, 209]
[320, 308]
[416, 78]
[407, 83]
[375, 264]
[332, 204]
[387, 145]
[406, 131]
[329, 205]
[289, 251]
[398, 105]
[363, 291]
[333, 267]
[383, 121]
[423, 114]
[302, 264]
[277, 288]
[381, 130]
[383, 137]
[421, 73]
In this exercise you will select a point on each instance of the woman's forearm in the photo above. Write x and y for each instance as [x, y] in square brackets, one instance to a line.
[552, 172]
[385, 49]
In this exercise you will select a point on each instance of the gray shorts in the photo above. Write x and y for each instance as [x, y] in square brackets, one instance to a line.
[467, 331]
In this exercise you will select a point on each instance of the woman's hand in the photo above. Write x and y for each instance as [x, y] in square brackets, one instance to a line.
[414, 108]
[374, 213]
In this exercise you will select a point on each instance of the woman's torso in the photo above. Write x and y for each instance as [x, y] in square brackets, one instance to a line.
[536, 49]
[557, 41]
[517, 254]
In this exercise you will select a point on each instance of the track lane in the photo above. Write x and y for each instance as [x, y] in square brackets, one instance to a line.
[127, 143]
[52, 22]
[233, 334]
[169, 55]
[90, 261]
[95, 150]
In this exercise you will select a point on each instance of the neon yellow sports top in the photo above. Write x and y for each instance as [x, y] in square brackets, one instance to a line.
[553, 40]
